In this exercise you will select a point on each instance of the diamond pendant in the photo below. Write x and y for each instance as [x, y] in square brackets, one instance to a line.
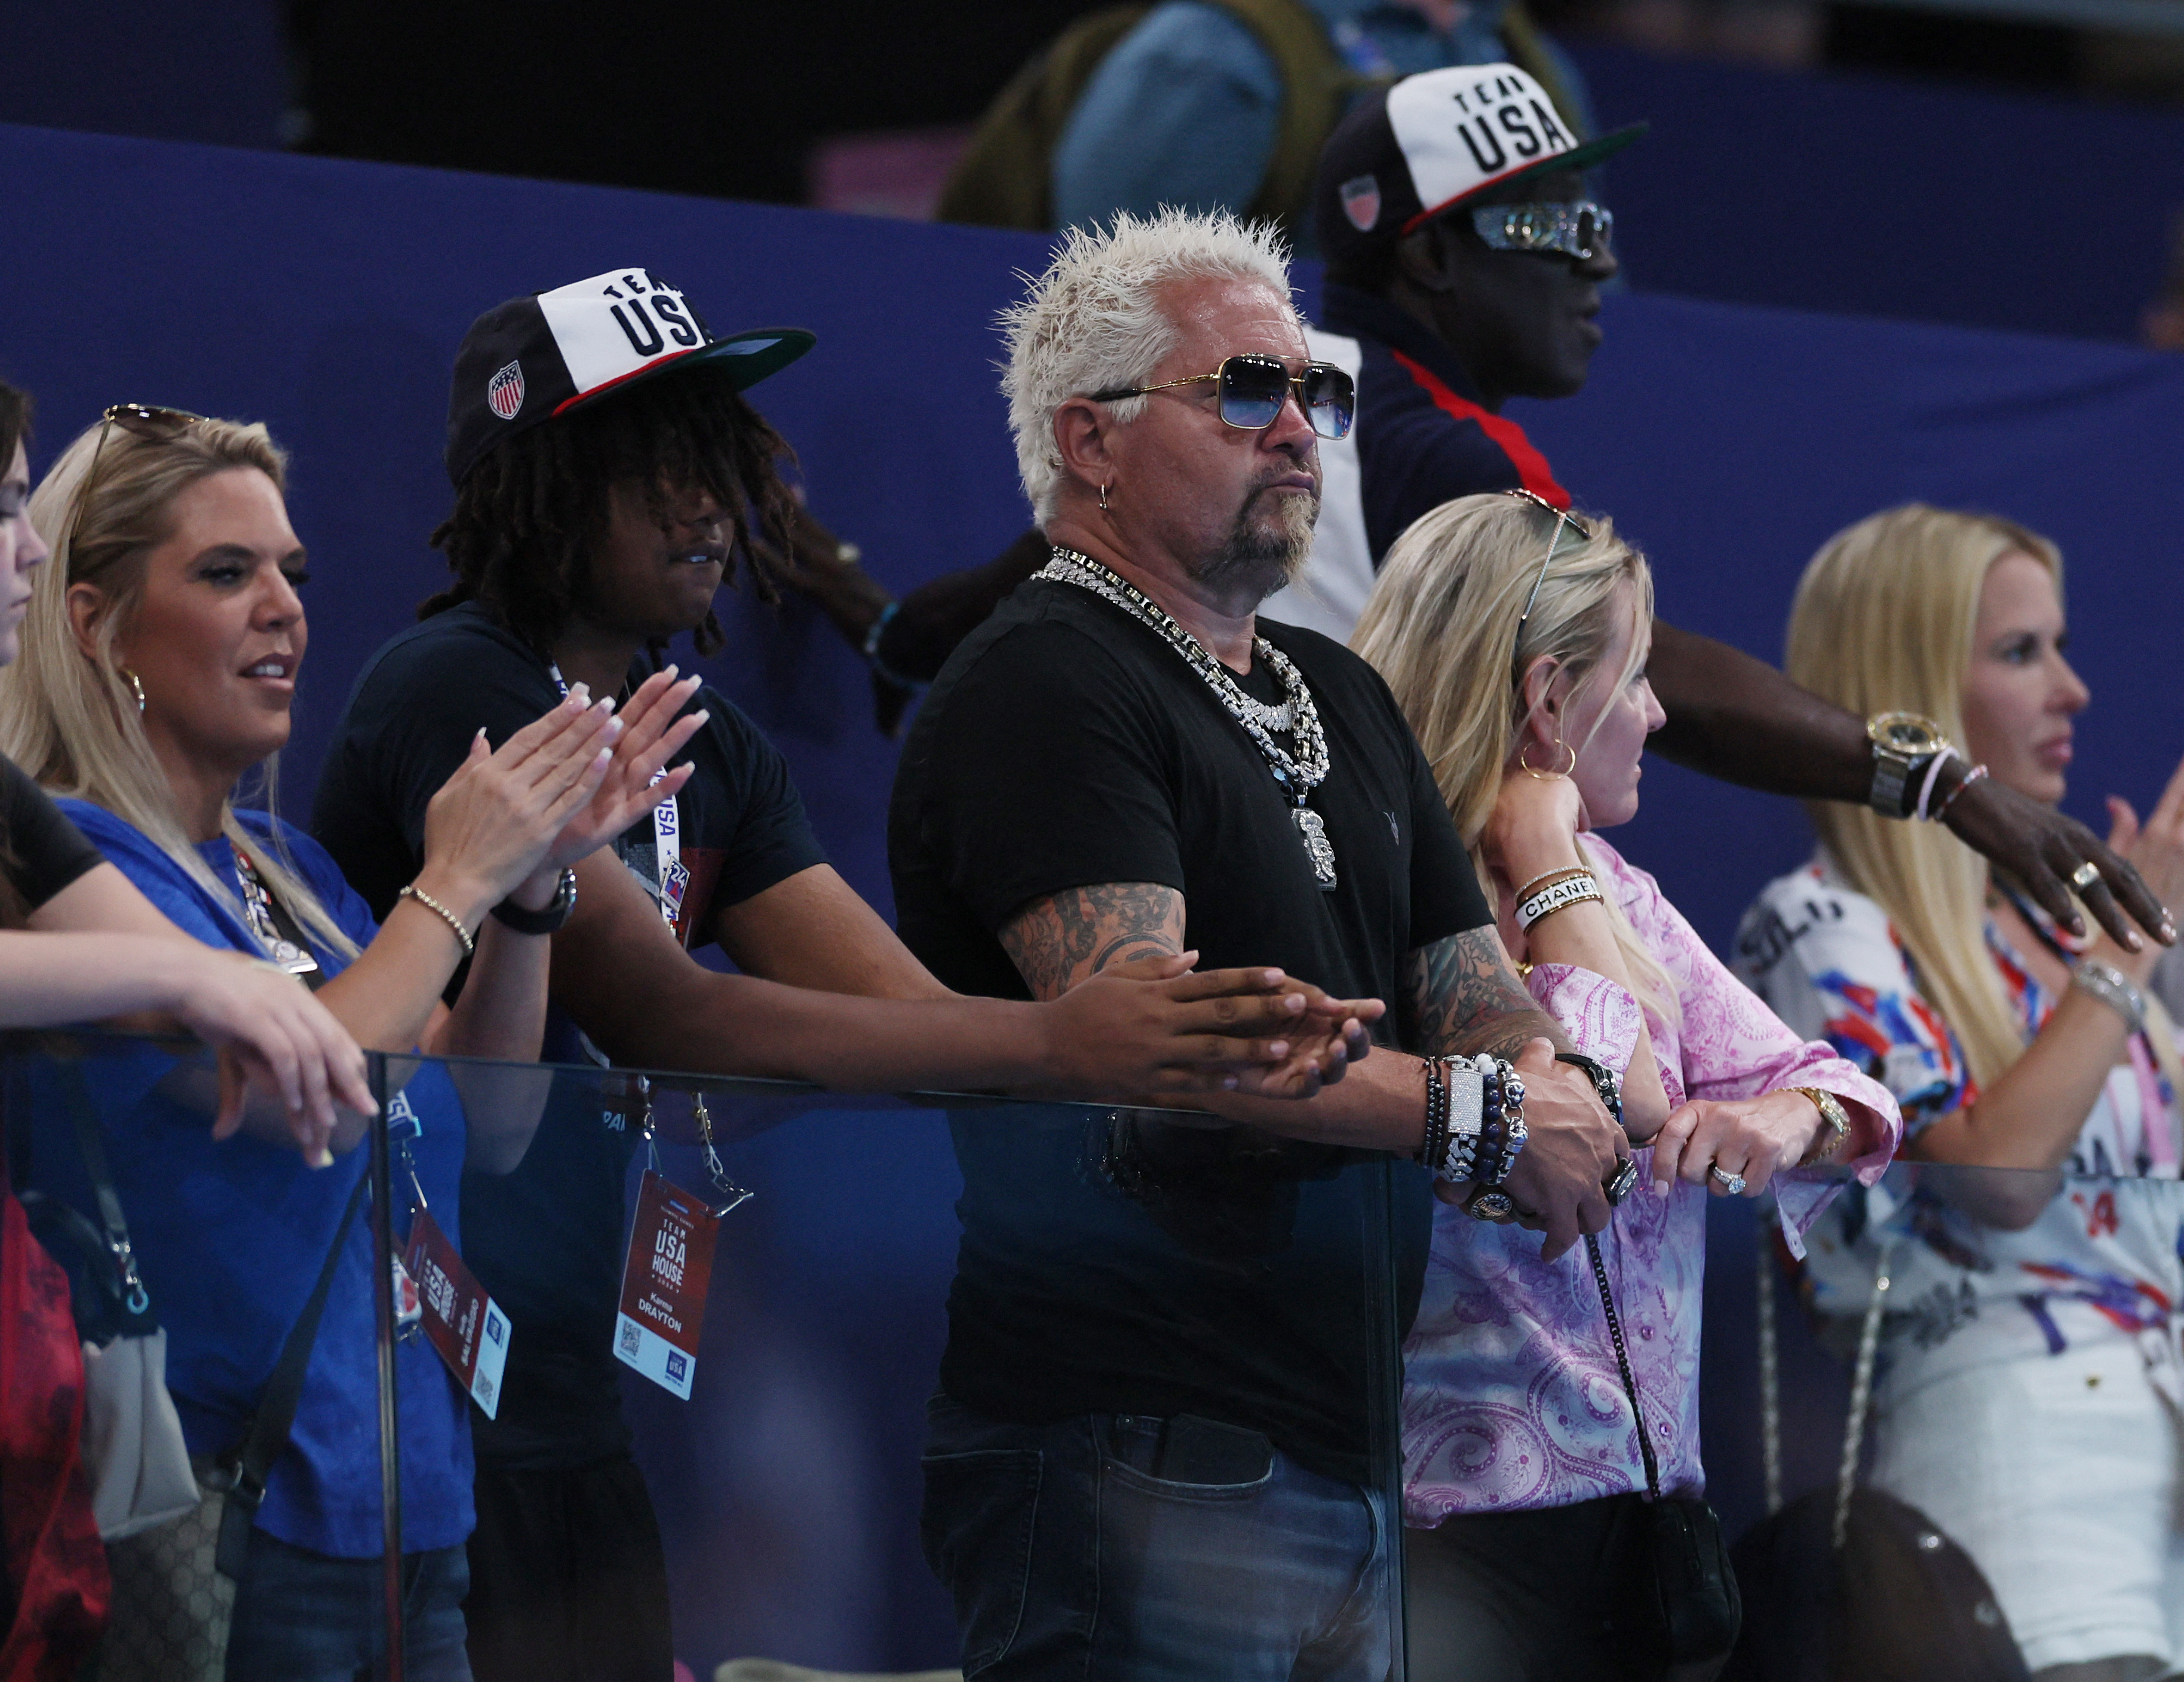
[1317, 846]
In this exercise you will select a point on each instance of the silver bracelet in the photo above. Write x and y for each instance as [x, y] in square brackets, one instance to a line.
[2113, 988]
[1466, 1115]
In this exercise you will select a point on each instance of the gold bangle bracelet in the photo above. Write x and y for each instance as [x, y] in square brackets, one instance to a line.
[1549, 879]
[1834, 1117]
[413, 891]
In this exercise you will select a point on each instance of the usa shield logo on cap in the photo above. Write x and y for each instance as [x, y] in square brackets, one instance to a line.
[1360, 202]
[504, 392]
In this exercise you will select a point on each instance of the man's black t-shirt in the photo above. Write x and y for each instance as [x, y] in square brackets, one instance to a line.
[547, 1239]
[40, 849]
[1134, 1266]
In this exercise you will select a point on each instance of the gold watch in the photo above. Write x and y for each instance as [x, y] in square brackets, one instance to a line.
[1834, 1117]
[1904, 744]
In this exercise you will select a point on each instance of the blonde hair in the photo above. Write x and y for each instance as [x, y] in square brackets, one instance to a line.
[71, 719]
[1885, 620]
[1441, 627]
[1096, 319]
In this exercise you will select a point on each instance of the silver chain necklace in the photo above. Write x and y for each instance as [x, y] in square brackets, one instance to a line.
[1295, 714]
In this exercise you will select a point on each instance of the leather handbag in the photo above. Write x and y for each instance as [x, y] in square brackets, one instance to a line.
[1696, 1607]
[1850, 1584]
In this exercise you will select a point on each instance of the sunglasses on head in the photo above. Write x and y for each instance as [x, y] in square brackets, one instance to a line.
[1562, 517]
[145, 421]
[1582, 230]
[1253, 387]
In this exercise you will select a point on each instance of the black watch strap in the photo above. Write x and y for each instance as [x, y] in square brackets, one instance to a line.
[1603, 1078]
[548, 921]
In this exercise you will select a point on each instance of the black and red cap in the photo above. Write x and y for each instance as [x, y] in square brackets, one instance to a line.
[536, 357]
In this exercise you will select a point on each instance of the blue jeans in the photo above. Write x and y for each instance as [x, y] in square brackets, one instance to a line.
[305, 1616]
[1067, 1558]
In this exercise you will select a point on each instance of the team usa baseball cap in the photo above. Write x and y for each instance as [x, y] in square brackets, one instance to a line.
[538, 357]
[1431, 142]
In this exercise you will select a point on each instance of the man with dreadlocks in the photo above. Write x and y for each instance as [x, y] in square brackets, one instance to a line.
[608, 474]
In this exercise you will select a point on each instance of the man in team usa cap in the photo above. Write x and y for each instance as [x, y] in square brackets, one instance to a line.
[609, 476]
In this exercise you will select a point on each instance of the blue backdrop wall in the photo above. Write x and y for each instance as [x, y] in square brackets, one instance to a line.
[327, 299]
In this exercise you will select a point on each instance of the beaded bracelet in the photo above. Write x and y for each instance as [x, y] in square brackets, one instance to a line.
[454, 923]
[1503, 1129]
[1435, 1151]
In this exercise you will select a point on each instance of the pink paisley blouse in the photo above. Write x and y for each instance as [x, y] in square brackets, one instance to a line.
[1511, 1395]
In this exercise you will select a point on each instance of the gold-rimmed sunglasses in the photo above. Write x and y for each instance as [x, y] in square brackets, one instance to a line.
[1562, 517]
[1253, 389]
[146, 420]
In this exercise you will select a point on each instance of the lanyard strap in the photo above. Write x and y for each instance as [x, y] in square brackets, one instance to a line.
[666, 841]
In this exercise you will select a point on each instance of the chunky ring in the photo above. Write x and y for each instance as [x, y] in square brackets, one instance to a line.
[1618, 1186]
[2084, 875]
[1487, 1203]
[1731, 1183]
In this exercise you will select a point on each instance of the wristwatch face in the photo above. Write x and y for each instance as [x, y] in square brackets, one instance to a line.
[1905, 735]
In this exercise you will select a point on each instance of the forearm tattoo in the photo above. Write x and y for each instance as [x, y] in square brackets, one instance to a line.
[1460, 995]
[1056, 942]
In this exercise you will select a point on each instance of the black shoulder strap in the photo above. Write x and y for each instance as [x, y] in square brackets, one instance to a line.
[136, 1303]
[268, 1435]
[1622, 1361]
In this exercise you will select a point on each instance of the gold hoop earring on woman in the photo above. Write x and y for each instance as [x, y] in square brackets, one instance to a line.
[136, 686]
[1524, 764]
[1103, 499]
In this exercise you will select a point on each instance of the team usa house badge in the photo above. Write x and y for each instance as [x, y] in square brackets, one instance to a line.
[504, 392]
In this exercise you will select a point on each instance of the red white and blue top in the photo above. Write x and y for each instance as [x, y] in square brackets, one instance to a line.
[2099, 1264]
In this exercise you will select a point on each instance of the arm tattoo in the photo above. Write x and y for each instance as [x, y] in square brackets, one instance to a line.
[1460, 995]
[1056, 942]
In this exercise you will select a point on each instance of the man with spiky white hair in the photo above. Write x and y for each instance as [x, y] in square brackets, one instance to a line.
[1151, 1456]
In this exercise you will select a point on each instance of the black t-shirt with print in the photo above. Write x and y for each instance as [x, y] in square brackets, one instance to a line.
[547, 1239]
[1134, 1266]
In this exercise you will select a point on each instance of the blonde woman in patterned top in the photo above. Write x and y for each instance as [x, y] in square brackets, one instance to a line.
[1524, 1480]
[2030, 1380]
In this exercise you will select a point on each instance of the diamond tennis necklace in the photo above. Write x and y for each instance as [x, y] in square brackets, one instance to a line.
[1300, 774]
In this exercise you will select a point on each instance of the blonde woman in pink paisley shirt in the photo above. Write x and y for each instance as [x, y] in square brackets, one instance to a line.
[1515, 639]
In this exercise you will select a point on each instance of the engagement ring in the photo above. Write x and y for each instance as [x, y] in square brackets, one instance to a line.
[1731, 1183]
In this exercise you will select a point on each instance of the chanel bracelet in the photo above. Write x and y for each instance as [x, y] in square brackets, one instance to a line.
[1559, 895]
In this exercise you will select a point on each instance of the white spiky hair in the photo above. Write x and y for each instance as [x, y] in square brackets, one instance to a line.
[1093, 322]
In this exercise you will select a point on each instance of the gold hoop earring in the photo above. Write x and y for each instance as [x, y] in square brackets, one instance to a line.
[1103, 499]
[136, 685]
[1524, 764]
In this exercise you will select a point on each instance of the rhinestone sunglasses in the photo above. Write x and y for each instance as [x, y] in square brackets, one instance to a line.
[1583, 230]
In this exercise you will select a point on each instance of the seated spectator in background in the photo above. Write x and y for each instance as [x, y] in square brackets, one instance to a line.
[1120, 755]
[1522, 1468]
[159, 662]
[2021, 1405]
[102, 951]
[1219, 105]
[608, 472]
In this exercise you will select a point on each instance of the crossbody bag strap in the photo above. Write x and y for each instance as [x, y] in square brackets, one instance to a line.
[263, 1443]
[1623, 1361]
[114, 1226]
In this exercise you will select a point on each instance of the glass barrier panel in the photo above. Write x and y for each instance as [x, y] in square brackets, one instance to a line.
[1049, 1351]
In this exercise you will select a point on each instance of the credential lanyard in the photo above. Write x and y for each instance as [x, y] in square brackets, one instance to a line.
[666, 841]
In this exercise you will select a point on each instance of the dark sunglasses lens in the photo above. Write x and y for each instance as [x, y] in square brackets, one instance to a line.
[147, 421]
[1330, 399]
[1595, 229]
[1253, 389]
